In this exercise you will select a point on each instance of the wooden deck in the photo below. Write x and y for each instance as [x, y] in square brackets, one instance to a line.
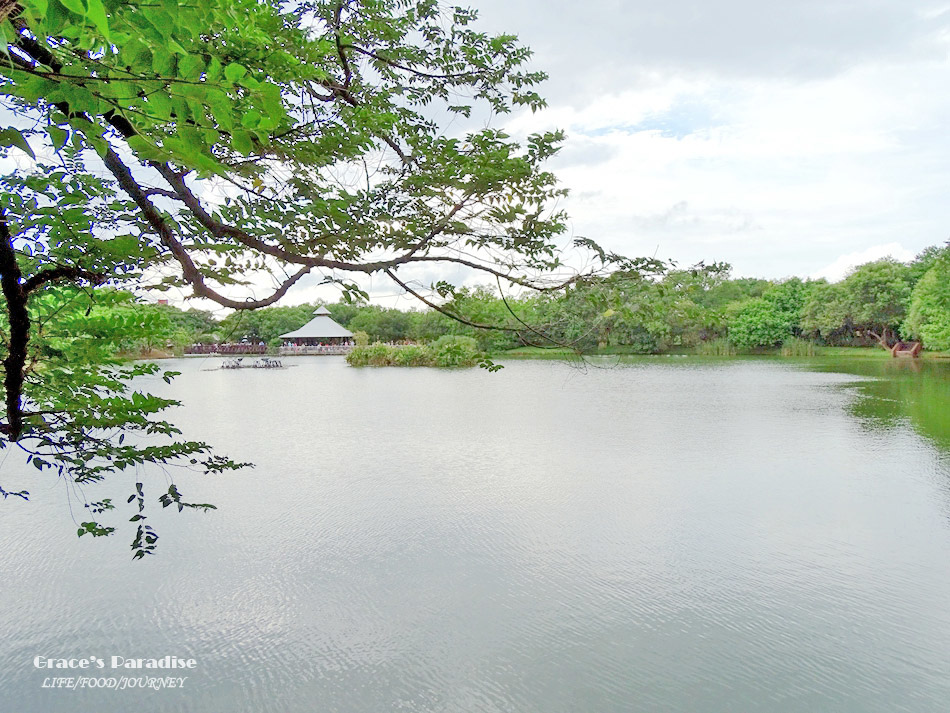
[906, 349]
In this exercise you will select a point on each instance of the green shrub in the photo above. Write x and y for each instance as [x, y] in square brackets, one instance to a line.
[929, 318]
[447, 351]
[373, 355]
[411, 355]
[454, 351]
[758, 323]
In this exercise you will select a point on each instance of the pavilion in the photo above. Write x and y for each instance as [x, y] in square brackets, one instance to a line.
[319, 331]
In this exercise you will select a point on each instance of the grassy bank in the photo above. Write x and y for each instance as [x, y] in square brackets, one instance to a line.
[871, 353]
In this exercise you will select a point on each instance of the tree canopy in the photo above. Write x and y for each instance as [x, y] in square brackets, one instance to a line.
[225, 145]
[929, 315]
[872, 299]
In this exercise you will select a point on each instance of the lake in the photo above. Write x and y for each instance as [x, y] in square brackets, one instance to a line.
[663, 534]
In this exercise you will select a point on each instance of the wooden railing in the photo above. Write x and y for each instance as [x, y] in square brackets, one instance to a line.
[326, 349]
[906, 349]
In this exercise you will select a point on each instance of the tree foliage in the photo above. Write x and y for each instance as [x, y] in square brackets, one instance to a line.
[246, 142]
[872, 300]
[757, 323]
[635, 313]
[929, 315]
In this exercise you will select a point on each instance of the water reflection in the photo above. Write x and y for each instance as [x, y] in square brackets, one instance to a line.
[914, 391]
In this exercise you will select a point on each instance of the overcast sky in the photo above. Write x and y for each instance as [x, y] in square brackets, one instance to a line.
[800, 137]
[787, 138]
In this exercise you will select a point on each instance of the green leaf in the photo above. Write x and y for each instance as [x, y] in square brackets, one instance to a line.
[76, 6]
[159, 105]
[58, 136]
[146, 149]
[214, 70]
[190, 67]
[241, 142]
[4, 41]
[249, 82]
[234, 72]
[177, 48]
[41, 6]
[251, 119]
[97, 14]
[162, 61]
[12, 137]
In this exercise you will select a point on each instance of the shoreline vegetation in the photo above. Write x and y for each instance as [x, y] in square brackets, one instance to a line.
[446, 352]
[700, 311]
[865, 352]
[379, 354]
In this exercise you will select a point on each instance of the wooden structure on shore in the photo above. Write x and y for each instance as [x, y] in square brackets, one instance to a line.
[906, 349]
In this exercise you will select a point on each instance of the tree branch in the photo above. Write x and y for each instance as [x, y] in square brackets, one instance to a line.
[167, 237]
[444, 311]
[19, 318]
[63, 272]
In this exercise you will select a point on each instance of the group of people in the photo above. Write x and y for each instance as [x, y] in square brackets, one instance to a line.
[227, 348]
[322, 347]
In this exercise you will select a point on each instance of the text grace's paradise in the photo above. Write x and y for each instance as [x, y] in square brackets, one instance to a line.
[165, 662]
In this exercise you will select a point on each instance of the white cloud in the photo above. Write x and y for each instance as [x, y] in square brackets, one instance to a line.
[838, 269]
[777, 176]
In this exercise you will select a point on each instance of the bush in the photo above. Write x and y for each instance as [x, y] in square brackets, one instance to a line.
[447, 351]
[373, 355]
[929, 317]
[454, 351]
[758, 323]
[411, 355]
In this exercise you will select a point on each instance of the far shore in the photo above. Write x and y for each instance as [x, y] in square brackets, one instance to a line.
[870, 352]
[564, 353]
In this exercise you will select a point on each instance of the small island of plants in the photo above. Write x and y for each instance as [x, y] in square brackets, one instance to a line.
[447, 351]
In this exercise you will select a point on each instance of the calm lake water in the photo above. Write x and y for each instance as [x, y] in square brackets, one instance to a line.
[667, 534]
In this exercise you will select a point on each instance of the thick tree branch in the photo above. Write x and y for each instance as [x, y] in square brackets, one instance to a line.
[162, 192]
[19, 318]
[222, 230]
[64, 272]
[167, 237]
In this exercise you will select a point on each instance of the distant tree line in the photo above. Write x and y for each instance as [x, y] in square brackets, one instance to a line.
[876, 303]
